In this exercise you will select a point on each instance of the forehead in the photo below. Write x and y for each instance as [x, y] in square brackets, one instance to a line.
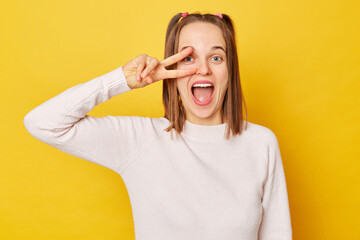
[201, 35]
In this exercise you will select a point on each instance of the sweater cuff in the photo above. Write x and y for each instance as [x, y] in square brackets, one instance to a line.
[117, 82]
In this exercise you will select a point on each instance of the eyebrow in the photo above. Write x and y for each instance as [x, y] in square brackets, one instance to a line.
[213, 48]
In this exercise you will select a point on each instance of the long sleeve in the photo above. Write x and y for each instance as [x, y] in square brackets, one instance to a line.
[276, 222]
[63, 123]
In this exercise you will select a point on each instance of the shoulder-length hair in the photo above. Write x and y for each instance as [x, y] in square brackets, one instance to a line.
[231, 110]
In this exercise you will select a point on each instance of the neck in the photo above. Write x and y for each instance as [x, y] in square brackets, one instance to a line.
[212, 120]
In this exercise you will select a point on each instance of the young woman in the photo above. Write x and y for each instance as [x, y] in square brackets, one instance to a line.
[204, 184]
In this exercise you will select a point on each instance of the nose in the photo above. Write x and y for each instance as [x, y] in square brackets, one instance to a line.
[203, 67]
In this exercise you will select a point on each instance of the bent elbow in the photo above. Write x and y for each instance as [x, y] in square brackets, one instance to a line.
[39, 130]
[32, 127]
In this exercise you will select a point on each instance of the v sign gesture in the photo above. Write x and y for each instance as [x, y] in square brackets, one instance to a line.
[137, 77]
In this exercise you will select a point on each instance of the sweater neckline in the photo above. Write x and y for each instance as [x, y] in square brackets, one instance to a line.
[207, 133]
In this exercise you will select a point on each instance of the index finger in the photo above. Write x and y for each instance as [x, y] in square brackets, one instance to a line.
[177, 57]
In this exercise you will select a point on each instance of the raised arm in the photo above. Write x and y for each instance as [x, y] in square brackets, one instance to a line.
[110, 141]
[63, 123]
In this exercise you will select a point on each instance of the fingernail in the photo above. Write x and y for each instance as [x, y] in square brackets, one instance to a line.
[138, 77]
[143, 74]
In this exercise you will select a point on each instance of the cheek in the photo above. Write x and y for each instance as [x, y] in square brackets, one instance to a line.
[181, 86]
[182, 65]
[182, 82]
[221, 72]
[223, 89]
[223, 75]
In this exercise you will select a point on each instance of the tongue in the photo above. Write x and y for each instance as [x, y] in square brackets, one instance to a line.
[202, 93]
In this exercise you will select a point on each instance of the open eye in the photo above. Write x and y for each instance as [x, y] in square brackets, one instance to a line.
[186, 58]
[218, 58]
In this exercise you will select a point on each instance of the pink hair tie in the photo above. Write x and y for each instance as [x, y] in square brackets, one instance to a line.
[184, 14]
[219, 15]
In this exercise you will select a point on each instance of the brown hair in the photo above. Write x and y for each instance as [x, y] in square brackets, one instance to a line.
[231, 111]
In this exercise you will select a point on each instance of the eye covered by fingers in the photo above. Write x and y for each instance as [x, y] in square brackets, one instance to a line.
[177, 57]
[151, 63]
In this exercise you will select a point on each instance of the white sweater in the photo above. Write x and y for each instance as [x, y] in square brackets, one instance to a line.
[197, 187]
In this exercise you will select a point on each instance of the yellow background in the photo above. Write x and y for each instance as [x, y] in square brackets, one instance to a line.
[299, 67]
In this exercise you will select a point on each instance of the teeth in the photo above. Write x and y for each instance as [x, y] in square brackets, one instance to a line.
[202, 85]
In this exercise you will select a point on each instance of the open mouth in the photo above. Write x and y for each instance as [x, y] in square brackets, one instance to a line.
[202, 93]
